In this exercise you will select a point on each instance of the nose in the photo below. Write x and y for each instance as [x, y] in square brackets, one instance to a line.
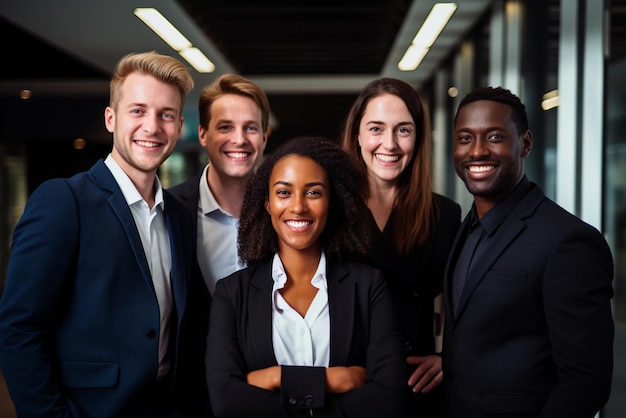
[239, 136]
[298, 203]
[478, 148]
[151, 124]
[389, 140]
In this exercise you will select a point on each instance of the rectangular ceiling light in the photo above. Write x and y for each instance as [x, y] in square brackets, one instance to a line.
[162, 27]
[198, 60]
[436, 20]
[172, 36]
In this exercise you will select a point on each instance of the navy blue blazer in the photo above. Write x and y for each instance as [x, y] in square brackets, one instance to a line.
[363, 332]
[533, 333]
[79, 319]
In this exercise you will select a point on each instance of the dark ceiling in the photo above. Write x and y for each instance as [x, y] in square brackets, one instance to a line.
[311, 56]
[305, 54]
[287, 37]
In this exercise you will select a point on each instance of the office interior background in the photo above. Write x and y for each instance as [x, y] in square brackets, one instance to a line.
[566, 59]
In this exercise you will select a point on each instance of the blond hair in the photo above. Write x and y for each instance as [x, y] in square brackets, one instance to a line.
[162, 67]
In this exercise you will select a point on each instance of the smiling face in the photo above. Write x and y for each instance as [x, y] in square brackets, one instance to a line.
[489, 152]
[298, 204]
[234, 139]
[387, 135]
[146, 123]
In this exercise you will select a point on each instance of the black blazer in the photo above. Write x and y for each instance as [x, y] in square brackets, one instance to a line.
[187, 193]
[533, 332]
[363, 332]
[414, 280]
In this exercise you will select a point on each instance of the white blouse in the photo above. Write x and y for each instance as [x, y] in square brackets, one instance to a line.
[301, 341]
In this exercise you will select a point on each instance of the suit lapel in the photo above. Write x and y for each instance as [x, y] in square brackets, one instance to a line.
[190, 197]
[506, 233]
[178, 276]
[260, 324]
[341, 304]
[512, 226]
[448, 275]
[105, 179]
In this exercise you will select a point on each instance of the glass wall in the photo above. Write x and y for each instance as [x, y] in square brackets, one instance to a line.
[615, 192]
[576, 51]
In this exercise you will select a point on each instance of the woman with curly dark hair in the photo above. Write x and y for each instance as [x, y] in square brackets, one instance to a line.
[305, 329]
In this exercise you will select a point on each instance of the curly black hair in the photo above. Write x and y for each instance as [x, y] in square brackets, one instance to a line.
[500, 95]
[348, 233]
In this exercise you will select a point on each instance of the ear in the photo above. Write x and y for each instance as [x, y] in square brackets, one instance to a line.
[527, 143]
[267, 205]
[202, 136]
[109, 119]
[180, 126]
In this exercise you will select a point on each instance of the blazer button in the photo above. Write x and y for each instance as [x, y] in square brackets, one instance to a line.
[151, 334]
[292, 400]
[408, 346]
[308, 400]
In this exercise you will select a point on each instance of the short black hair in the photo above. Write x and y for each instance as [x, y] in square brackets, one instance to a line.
[348, 233]
[500, 95]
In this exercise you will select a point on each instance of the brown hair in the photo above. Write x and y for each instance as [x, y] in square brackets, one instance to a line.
[162, 67]
[414, 207]
[232, 84]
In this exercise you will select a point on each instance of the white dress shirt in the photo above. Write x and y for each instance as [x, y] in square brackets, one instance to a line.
[156, 245]
[301, 341]
[217, 237]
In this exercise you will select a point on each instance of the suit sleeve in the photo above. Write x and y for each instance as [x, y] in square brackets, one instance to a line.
[383, 394]
[577, 293]
[230, 394]
[45, 242]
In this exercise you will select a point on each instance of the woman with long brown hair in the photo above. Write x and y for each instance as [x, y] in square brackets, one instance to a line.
[387, 135]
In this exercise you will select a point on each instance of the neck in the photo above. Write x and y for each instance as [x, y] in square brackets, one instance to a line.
[228, 192]
[380, 203]
[300, 266]
[143, 181]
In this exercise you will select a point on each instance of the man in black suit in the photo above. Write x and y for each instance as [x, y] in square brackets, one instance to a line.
[529, 330]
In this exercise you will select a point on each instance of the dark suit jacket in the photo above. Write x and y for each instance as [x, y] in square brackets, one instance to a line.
[79, 319]
[363, 332]
[533, 333]
[187, 194]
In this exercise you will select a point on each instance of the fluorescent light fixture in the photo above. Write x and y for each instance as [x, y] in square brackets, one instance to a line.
[162, 27]
[412, 58]
[198, 60]
[550, 100]
[436, 20]
[172, 36]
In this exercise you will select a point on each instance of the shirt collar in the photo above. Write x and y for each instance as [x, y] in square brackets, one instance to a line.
[494, 217]
[130, 192]
[280, 277]
[207, 201]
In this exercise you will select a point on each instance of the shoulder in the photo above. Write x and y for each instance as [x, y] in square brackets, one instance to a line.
[187, 188]
[447, 206]
[355, 272]
[258, 275]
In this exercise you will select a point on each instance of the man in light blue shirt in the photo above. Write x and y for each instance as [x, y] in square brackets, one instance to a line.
[234, 126]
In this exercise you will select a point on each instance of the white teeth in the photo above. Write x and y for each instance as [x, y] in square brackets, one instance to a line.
[387, 158]
[481, 169]
[147, 144]
[298, 224]
[237, 155]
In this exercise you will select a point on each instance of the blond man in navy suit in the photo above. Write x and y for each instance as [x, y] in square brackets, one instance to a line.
[97, 317]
